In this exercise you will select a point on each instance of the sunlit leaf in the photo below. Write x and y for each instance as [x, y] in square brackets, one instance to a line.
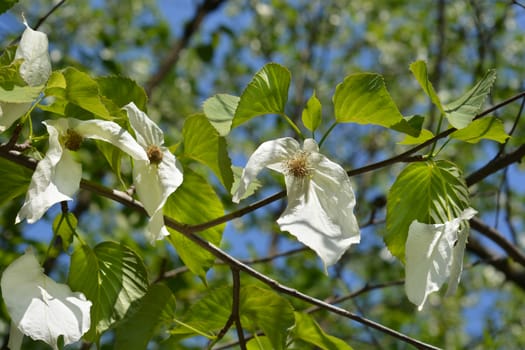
[20, 94]
[259, 343]
[157, 307]
[252, 187]
[484, 128]
[307, 330]
[203, 144]
[312, 113]
[425, 135]
[363, 98]
[429, 192]
[419, 69]
[267, 93]
[461, 112]
[195, 202]
[220, 110]
[259, 309]
[113, 277]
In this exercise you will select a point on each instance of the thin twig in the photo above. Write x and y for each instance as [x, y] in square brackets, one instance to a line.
[236, 305]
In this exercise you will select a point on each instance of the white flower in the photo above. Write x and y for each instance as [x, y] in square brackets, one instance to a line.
[35, 70]
[434, 253]
[57, 176]
[158, 176]
[320, 196]
[41, 308]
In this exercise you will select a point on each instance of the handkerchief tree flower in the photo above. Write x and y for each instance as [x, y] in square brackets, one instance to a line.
[320, 197]
[57, 176]
[34, 70]
[434, 254]
[40, 307]
[156, 177]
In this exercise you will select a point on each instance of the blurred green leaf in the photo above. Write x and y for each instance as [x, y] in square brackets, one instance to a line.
[307, 330]
[20, 94]
[267, 93]
[121, 91]
[484, 128]
[156, 308]
[430, 192]
[203, 144]
[259, 343]
[252, 187]
[195, 202]
[15, 180]
[6, 5]
[312, 113]
[419, 69]
[112, 277]
[220, 109]
[461, 111]
[363, 98]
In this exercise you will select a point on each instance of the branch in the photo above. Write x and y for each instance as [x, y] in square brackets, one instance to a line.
[498, 238]
[171, 59]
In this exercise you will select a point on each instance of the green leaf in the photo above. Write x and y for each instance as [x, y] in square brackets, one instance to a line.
[156, 308]
[203, 144]
[15, 180]
[64, 226]
[195, 202]
[113, 156]
[78, 88]
[312, 113]
[259, 343]
[259, 309]
[20, 94]
[363, 98]
[419, 69]
[121, 91]
[6, 5]
[267, 93]
[220, 109]
[306, 329]
[461, 112]
[484, 128]
[430, 192]
[113, 277]
[425, 135]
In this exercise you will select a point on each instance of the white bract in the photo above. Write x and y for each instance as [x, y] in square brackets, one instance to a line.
[35, 70]
[41, 308]
[57, 176]
[157, 177]
[320, 197]
[434, 253]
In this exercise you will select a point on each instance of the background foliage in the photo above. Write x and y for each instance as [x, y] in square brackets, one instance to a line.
[183, 52]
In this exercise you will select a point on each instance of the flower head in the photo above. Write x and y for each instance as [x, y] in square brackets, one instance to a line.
[35, 70]
[157, 177]
[434, 253]
[41, 308]
[57, 176]
[320, 197]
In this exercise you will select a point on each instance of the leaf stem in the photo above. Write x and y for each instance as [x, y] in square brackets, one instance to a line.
[327, 133]
[293, 125]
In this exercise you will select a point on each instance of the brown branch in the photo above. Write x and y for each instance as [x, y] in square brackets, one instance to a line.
[499, 239]
[171, 59]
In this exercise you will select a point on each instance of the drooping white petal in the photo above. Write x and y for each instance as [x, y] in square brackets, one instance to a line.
[109, 132]
[146, 131]
[56, 179]
[270, 154]
[432, 252]
[154, 184]
[42, 308]
[320, 210]
[33, 48]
